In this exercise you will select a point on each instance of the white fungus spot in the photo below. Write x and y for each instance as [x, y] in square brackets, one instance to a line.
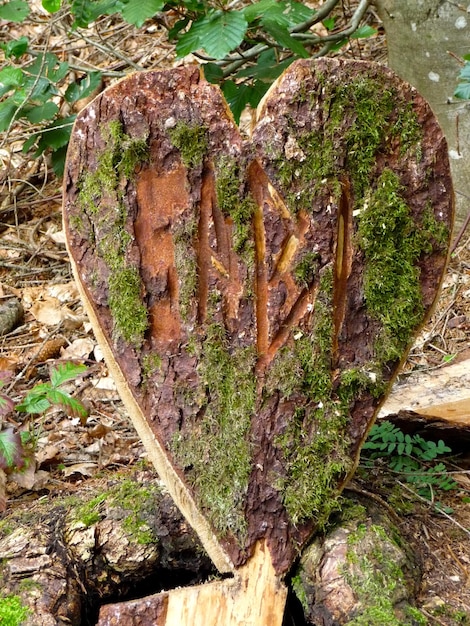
[453, 154]
[461, 22]
[414, 28]
[434, 76]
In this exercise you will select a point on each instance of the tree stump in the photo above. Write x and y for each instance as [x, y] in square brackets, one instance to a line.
[255, 297]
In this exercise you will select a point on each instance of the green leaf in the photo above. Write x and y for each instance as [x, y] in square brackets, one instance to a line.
[72, 406]
[65, 372]
[224, 33]
[37, 114]
[329, 23]
[10, 78]
[6, 405]
[7, 111]
[55, 136]
[34, 402]
[177, 27]
[212, 72]
[256, 10]
[12, 454]
[267, 67]
[15, 47]
[137, 11]
[284, 38]
[339, 44]
[286, 13]
[52, 6]
[466, 57]
[58, 161]
[463, 91]
[218, 33]
[465, 72]
[14, 11]
[84, 88]
[363, 32]
[87, 11]
[237, 97]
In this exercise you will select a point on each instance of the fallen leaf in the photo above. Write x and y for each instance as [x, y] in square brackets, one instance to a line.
[79, 349]
[85, 469]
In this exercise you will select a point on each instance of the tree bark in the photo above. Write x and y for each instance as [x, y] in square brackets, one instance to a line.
[243, 291]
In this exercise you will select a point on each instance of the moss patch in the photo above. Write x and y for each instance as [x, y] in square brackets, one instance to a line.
[12, 611]
[392, 244]
[191, 141]
[217, 452]
[314, 459]
[137, 504]
[360, 118]
[116, 165]
[186, 265]
[377, 578]
[237, 205]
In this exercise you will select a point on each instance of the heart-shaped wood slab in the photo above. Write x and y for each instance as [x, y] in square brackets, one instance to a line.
[255, 297]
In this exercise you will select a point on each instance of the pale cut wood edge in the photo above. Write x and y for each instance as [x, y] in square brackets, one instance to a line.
[443, 393]
[256, 596]
[156, 453]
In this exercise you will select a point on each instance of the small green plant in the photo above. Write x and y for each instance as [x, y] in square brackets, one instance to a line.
[411, 456]
[15, 446]
[31, 90]
[463, 88]
[12, 611]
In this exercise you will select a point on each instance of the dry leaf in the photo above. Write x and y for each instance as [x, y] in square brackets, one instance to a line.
[85, 469]
[79, 349]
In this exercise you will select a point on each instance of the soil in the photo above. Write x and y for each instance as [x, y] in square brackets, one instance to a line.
[71, 453]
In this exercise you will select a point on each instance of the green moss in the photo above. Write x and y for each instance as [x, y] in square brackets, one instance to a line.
[237, 205]
[356, 381]
[135, 501]
[116, 165]
[314, 461]
[186, 265]
[126, 306]
[191, 141]
[376, 578]
[306, 269]
[12, 611]
[298, 588]
[369, 104]
[361, 117]
[228, 385]
[392, 244]
[151, 363]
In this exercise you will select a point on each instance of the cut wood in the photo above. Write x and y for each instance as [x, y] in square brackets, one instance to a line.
[442, 393]
[254, 298]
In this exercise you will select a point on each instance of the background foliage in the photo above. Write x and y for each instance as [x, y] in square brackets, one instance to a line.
[243, 45]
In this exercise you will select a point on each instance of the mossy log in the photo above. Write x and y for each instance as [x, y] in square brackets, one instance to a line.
[255, 297]
[78, 559]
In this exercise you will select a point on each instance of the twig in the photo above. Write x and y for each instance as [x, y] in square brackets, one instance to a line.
[375, 498]
[440, 511]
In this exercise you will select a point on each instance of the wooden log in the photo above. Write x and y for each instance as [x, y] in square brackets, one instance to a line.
[254, 298]
[442, 394]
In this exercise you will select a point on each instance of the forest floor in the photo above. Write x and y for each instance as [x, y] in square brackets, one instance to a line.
[71, 453]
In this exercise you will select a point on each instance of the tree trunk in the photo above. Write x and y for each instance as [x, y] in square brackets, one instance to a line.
[425, 41]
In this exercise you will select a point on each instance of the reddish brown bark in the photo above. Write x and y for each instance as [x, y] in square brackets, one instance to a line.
[247, 282]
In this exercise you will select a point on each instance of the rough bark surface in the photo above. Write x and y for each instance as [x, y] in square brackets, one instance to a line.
[65, 572]
[232, 281]
[80, 551]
